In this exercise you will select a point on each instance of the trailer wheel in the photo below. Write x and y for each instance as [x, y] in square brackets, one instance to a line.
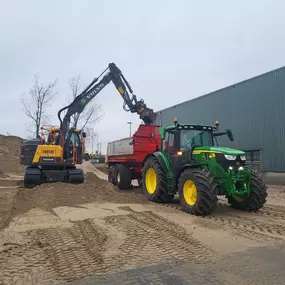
[112, 173]
[155, 182]
[139, 180]
[123, 178]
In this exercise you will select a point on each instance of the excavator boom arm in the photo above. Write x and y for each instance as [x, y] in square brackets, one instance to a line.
[115, 75]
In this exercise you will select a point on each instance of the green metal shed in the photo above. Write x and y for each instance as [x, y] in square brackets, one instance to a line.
[253, 109]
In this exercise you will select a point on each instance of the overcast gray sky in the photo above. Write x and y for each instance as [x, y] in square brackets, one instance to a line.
[170, 51]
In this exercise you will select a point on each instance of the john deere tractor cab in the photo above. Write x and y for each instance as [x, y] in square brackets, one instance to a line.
[192, 164]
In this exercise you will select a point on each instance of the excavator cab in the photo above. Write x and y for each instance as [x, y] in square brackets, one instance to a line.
[54, 136]
[78, 146]
[50, 135]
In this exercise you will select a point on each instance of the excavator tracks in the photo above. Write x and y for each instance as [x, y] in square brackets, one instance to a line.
[34, 176]
[76, 176]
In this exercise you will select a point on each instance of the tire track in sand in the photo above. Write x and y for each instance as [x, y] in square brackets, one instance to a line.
[69, 253]
[56, 253]
[271, 229]
[152, 238]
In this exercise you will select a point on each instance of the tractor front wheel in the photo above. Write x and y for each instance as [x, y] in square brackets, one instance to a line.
[197, 192]
[154, 182]
[255, 200]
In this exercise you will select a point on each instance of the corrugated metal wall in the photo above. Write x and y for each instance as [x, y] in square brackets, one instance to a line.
[254, 109]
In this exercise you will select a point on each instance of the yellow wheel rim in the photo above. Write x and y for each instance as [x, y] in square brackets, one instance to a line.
[190, 192]
[150, 180]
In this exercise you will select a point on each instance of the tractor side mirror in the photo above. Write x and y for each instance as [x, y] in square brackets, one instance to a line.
[131, 142]
[83, 134]
[230, 135]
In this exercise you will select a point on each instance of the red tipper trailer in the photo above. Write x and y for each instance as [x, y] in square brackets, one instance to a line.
[125, 156]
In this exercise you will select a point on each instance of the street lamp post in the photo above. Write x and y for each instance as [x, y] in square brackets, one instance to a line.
[130, 123]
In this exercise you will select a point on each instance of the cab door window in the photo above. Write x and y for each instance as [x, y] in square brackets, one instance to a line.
[169, 142]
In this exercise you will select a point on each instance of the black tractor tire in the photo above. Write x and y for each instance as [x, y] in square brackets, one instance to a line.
[256, 198]
[112, 173]
[159, 192]
[123, 178]
[204, 193]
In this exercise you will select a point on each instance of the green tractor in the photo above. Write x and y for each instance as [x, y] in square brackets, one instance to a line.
[191, 163]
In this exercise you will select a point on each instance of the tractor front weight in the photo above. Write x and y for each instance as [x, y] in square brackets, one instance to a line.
[236, 183]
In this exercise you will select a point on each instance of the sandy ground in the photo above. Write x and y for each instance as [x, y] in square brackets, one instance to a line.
[57, 233]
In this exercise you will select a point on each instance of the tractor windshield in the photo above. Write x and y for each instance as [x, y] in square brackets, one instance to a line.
[190, 138]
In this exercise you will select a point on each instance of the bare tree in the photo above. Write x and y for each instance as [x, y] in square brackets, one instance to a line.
[36, 102]
[91, 114]
[92, 138]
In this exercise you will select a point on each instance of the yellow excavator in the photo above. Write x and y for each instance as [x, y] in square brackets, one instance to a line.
[55, 158]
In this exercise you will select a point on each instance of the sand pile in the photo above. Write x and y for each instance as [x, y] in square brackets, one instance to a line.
[52, 195]
[10, 155]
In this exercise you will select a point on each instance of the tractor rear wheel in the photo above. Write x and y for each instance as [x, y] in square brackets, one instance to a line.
[154, 182]
[197, 192]
[255, 200]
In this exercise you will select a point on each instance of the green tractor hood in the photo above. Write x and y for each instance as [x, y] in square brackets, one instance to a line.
[223, 150]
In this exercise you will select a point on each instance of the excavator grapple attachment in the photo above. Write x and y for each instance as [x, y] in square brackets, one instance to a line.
[148, 116]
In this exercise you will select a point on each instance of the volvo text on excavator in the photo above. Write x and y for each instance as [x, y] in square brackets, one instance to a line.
[55, 158]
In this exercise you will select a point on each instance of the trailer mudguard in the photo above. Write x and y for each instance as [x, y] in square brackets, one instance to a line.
[166, 166]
